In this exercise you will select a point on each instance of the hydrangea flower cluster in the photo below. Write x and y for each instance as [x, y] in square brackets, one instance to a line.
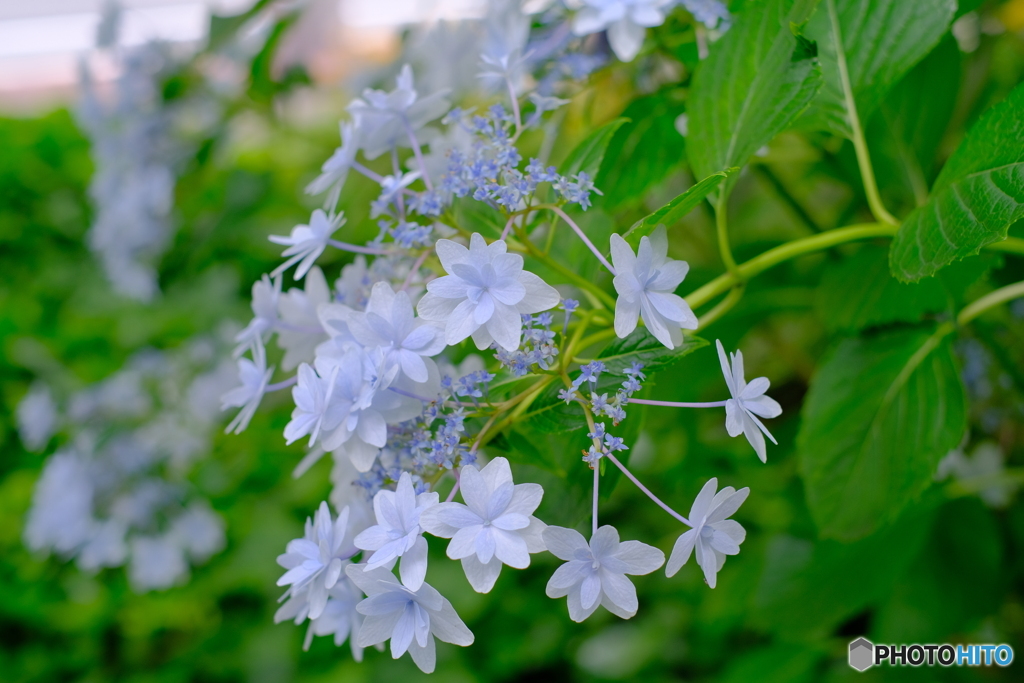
[360, 357]
[116, 491]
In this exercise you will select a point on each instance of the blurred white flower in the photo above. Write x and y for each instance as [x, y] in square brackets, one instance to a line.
[485, 294]
[595, 573]
[37, 417]
[385, 119]
[335, 170]
[747, 403]
[496, 525]
[317, 561]
[713, 534]
[299, 330]
[646, 283]
[410, 619]
[265, 297]
[626, 21]
[254, 376]
[397, 533]
[307, 242]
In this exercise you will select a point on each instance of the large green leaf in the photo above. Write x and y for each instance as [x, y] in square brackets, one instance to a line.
[643, 152]
[880, 414]
[755, 81]
[977, 197]
[674, 211]
[588, 155]
[549, 414]
[860, 293]
[882, 40]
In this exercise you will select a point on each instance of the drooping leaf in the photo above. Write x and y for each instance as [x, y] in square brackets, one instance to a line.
[549, 414]
[643, 152]
[882, 40]
[675, 210]
[880, 414]
[588, 155]
[977, 197]
[756, 80]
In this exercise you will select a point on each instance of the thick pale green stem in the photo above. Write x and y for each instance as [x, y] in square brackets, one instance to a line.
[722, 228]
[773, 257]
[859, 144]
[990, 300]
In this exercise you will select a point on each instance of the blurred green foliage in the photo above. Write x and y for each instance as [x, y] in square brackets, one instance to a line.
[946, 568]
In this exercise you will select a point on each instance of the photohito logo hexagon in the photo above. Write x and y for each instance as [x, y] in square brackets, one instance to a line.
[862, 654]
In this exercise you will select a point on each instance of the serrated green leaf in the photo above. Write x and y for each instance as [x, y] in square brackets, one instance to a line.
[882, 40]
[588, 155]
[643, 152]
[977, 197]
[880, 414]
[675, 210]
[757, 79]
[552, 415]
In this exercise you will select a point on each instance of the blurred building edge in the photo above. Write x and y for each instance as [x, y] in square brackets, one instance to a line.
[42, 42]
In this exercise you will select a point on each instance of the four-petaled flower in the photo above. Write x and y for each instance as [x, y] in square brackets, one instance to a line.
[335, 170]
[316, 561]
[411, 619]
[595, 573]
[713, 535]
[307, 242]
[485, 294]
[747, 403]
[397, 533]
[646, 283]
[496, 525]
[626, 20]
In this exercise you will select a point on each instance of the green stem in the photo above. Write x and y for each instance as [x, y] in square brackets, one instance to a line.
[722, 228]
[860, 145]
[722, 307]
[990, 300]
[773, 257]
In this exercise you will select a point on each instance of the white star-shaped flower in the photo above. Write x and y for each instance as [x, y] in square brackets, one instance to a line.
[397, 533]
[713, 535]
[625, 20]
[340, 618]
[307, 242]
[595, 573]
[317, 561]
[388, 323]
[335, 170]
[495, 527]
[747, 403]
[485, 294]
[410, 619]
[355, 385]
[384, 119]
[254, 375]
[315, 410]
[299, 330]
[646, 283]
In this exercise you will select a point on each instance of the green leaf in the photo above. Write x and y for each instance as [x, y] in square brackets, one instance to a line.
[882, 40]
[675, 210]
[643, 152]
[977, 197]
[880, 414]
[860, 293]
[589, 154]
[756, 80]
[551, 415]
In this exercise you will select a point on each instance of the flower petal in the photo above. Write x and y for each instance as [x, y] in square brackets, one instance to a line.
[481, 576]
[563, 543]
[681, 552]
